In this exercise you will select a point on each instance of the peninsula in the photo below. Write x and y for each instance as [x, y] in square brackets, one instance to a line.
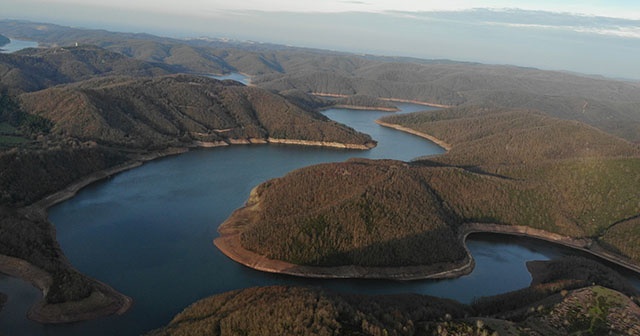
[400, 220]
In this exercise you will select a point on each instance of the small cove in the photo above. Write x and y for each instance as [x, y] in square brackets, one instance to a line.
[147, 232]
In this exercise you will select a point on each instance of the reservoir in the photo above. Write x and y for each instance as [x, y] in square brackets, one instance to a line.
[16, 45]
[148, 233]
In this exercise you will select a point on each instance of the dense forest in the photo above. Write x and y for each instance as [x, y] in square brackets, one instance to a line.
[606, 104]
[152, 113]
[510, 167]
[540, 149]
[355, 213]
[573, 296]
[400, 214]
[72, 115]
[36, 69]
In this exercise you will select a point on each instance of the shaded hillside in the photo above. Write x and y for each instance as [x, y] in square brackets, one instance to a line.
[29, 175]
[509, 167]
[177, 110]
[559, 306]
[304, 311]
[36, 69]
[390, 214]
[610, 105]
[145, 47]
[366, 102]
[68, 295]
[484, 136]
[4, 40]
[355, 213]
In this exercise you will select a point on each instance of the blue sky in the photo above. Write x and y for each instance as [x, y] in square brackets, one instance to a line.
[594, 37]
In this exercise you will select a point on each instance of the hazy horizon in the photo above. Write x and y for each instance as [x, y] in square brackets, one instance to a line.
[590, 37]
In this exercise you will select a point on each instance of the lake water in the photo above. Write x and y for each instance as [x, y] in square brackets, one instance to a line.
[238, 77]
[16, 45]
[148, 233]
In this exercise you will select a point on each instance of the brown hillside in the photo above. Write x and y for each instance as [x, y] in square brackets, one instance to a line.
[176, 110]
[482, 136]
[37, 69]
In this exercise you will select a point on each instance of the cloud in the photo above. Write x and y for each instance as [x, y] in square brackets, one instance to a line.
[632, 32]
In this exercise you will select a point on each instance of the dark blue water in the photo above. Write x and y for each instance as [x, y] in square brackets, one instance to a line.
[148, 232]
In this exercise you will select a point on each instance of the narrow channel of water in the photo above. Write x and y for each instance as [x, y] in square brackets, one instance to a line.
[148, 232]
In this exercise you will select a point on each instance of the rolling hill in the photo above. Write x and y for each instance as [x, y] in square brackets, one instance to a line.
[36, 69]
[177, 110]
[89, 122]
[532, 152]
[609, 105]
[514, 168]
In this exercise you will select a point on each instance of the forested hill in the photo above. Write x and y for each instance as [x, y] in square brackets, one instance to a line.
[505, 167]
[71, 115]
[157, 112]
[36, 69]
[610, 105]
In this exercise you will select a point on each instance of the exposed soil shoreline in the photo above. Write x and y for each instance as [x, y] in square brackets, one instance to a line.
[364, 108]
[105, 300]
[588, 245]
[397, 100]
[429, 137]
[230, 244]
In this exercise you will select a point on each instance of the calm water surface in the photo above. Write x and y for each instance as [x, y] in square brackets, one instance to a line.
[148, 233]
[16, 45]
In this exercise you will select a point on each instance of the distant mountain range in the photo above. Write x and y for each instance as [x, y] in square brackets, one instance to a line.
[610, 105]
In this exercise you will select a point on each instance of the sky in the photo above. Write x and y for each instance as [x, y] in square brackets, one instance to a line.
[587, 36]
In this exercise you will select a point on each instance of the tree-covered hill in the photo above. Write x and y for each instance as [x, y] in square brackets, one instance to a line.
[609, 105]
[56, 140]
[490, 136]
[508, 167]
[166, 111]
[355, 213]
[36, 69]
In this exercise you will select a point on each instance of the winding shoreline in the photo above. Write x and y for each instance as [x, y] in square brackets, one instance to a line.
[229, 243]
[429, 137]
[398, 100]
[105, 300]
